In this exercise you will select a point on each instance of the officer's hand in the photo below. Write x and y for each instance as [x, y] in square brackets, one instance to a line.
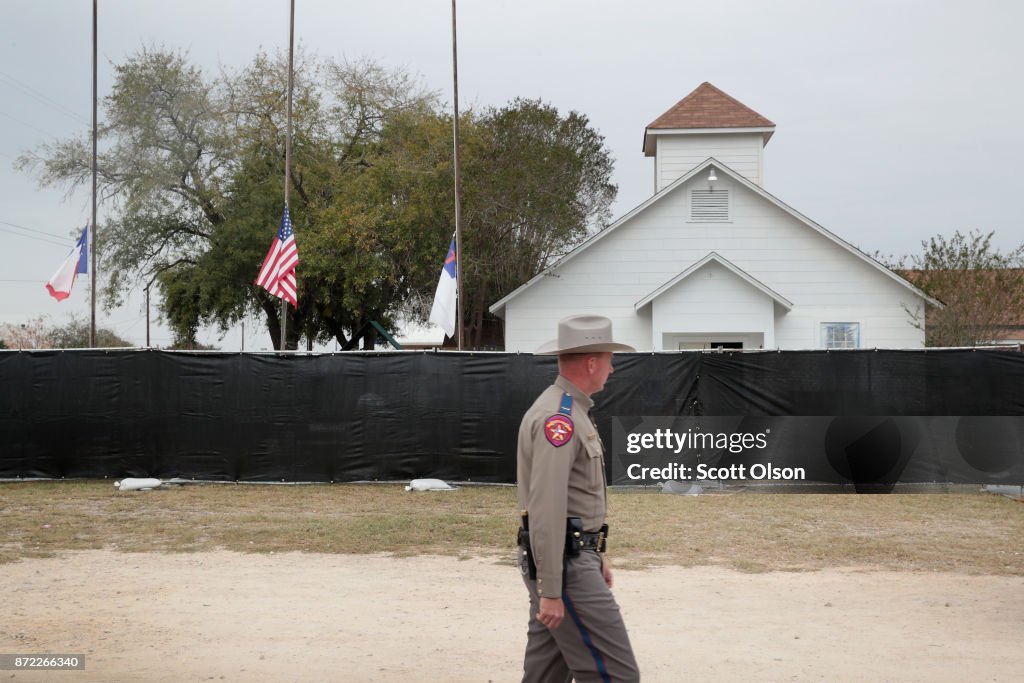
[552, 610]
[606, 571]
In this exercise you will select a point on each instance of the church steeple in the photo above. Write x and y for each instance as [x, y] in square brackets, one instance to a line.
[707, 123]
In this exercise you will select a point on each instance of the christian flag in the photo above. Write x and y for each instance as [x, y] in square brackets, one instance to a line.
[445, 299]
[277, 275]
[77, 262]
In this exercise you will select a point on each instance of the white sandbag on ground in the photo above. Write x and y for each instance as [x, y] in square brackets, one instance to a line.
[131, 484]
[428, 485]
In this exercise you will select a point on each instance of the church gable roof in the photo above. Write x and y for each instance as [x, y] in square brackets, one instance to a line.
[728, 265]
[499, 306]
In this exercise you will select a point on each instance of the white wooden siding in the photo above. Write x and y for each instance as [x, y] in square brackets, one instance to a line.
[677, 155]
[822, 280]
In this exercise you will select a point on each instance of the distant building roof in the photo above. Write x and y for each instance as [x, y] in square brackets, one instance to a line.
[1009, 325]
[707, 107]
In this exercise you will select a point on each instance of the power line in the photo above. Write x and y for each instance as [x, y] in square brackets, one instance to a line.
[25, 123]
[38, 239]
[27, 89]
[41, 232]
[45, 237]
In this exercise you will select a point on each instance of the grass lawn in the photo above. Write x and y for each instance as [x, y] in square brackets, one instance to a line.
[970, 533]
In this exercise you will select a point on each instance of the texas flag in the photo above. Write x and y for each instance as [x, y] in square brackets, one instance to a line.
[77, 261]
[445, 300]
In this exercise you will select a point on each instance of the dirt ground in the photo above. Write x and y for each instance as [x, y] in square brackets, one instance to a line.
[305, 617]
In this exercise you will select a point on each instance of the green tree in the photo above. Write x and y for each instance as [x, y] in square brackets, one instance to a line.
[74, 334]
[981, 288]
[194, 171]
[162, 171]
[535, 183]
[536, 187]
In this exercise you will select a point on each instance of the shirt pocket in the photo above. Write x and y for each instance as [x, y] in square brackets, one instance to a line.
[595, 472]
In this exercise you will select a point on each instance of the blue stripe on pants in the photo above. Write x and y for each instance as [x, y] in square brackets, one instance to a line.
[586, 638]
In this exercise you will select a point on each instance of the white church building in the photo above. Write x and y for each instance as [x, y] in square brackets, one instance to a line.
[713, 260]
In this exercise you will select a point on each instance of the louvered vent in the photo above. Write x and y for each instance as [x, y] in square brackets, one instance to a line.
[707, 206]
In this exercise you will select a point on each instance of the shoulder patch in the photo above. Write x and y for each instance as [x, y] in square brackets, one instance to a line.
[558, 430]
[566, 406]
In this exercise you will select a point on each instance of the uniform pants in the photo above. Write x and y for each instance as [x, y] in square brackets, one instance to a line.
[591, 643]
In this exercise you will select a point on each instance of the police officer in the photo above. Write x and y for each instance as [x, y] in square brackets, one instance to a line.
[576, 630]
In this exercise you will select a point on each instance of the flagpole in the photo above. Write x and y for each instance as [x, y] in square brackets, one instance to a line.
[288, 155]
[92, 242]
[460, 258]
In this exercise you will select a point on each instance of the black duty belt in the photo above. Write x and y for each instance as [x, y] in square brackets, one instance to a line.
[576, 540]
[586, 540]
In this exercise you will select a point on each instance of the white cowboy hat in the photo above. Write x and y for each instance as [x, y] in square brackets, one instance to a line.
[582, 334]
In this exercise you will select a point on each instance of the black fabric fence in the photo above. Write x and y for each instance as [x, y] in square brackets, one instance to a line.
[455, 416]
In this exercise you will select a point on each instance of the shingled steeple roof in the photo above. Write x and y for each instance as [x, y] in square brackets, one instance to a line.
[707, 107]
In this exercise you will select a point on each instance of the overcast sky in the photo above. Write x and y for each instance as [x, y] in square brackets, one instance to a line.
[895, 120]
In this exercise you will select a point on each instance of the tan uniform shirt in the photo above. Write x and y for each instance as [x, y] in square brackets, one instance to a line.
[560, 469]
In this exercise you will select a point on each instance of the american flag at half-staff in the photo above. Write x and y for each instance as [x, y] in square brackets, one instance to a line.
[277, 275]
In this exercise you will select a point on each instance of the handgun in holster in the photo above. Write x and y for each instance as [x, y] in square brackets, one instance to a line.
[523, 541]
[573, 540]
